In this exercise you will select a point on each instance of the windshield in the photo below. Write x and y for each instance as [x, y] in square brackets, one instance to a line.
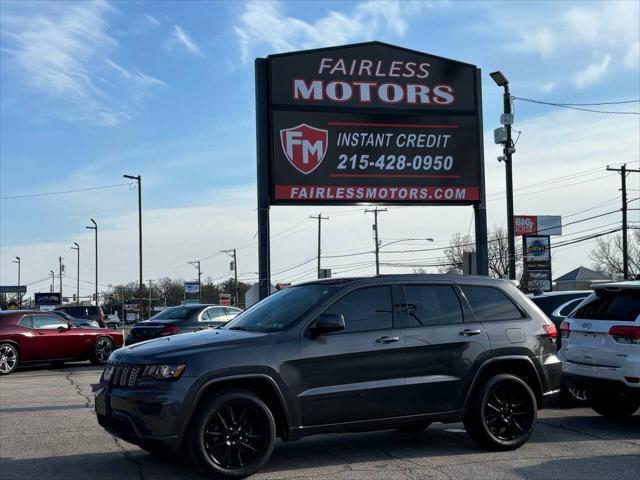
[281, 309]
[175, 313]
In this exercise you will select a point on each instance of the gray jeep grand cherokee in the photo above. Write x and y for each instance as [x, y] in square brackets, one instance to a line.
[334, 356]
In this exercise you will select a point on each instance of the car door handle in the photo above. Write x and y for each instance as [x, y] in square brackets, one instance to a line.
[467, 332]
[387, 339]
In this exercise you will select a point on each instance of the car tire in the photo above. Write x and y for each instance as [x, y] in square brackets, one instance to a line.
[413, 427]
[101, 351]
[232, 435]
[502, 415]
[9, 358]
[614, 405]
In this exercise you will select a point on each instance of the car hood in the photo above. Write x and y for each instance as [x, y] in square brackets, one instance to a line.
[179, 347]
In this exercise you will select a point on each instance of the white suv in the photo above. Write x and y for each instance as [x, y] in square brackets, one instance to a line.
[601, 348]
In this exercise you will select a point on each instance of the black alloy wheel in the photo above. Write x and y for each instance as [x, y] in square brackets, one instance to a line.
[503, 414]
[233, 435]
[101, 351]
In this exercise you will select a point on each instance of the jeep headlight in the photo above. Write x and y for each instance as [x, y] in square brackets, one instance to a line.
[163, 372]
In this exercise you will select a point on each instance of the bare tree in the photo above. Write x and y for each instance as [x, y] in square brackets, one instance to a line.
[498, 248]
[607, 255]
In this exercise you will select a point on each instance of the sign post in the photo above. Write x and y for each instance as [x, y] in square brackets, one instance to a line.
[368, 123]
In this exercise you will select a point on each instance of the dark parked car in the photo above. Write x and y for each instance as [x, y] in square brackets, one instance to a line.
[78, 322]
[334, 356]
[90, 312]
[43, 337]
[182, 319]
[557, 305]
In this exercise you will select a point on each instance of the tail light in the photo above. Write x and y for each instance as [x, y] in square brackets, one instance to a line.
[551, 331]
[565, 330]
[170, 330]
[625, 334]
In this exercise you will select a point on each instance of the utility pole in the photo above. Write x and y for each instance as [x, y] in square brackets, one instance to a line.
[150, 297]
[508, 151]
[624, 171]
[77, 248]
[235, 270]
[319, 217]
[375, 212]
[197, 265]
[138, 179]
[53, 276]
[18, 261]
[95, 229]
[60, 267]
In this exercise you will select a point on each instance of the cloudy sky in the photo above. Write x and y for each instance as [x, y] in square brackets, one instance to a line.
[93, 90]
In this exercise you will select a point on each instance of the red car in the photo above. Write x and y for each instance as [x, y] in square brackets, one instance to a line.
[41, 337]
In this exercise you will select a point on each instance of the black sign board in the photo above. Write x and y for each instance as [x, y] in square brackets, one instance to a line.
[47, 299]
[372, 123]
[368, 123]
[13, 289]
[537, 262]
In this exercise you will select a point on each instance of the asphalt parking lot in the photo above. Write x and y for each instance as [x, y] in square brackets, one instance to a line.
[48, 430]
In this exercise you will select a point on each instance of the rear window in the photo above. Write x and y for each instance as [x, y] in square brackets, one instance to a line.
[490, 304]
[613, 306]
[176, 313]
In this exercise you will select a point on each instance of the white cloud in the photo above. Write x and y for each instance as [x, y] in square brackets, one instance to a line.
[611, 26]
[63, 53]
[632, 57]
[181, 37]
[592, 73]
[152, 20]
[265, 24]
[547, 87]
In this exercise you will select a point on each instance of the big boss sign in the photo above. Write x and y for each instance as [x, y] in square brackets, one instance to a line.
[369, 123]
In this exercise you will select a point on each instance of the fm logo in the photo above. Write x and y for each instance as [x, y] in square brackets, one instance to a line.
[304, 146]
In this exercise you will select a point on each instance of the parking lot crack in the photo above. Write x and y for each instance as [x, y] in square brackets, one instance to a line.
[78, 388]
[131, 459]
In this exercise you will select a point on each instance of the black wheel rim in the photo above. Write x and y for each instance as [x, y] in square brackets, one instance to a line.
[508, 411]
[236, 435]
[103, 348]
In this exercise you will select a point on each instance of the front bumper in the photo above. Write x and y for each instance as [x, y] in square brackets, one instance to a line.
[151, 411]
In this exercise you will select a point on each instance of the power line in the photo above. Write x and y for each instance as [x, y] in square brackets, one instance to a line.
[576, 107]
[65, 191]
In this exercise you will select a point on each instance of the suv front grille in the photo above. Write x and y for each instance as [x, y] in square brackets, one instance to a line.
[123, 375]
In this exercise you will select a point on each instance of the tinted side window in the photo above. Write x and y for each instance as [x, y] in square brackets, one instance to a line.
[26, 321]
[432, 305]
[365, 309]
[48, 322]
[490, 304]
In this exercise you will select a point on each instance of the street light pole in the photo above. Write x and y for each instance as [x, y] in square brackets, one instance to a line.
[235, 270]
[508, 151]
[319, 217]
[138, 179]
[18, 261]
[95, 228]
[53, 276]
[77, 248]
[60, 274]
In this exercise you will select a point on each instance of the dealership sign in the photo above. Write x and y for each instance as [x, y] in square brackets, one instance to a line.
[372, 123]
[537, 225]
[191, 288]
[47, 299]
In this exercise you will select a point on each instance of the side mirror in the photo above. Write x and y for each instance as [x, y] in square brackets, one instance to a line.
[327, 323]
[62, 329]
